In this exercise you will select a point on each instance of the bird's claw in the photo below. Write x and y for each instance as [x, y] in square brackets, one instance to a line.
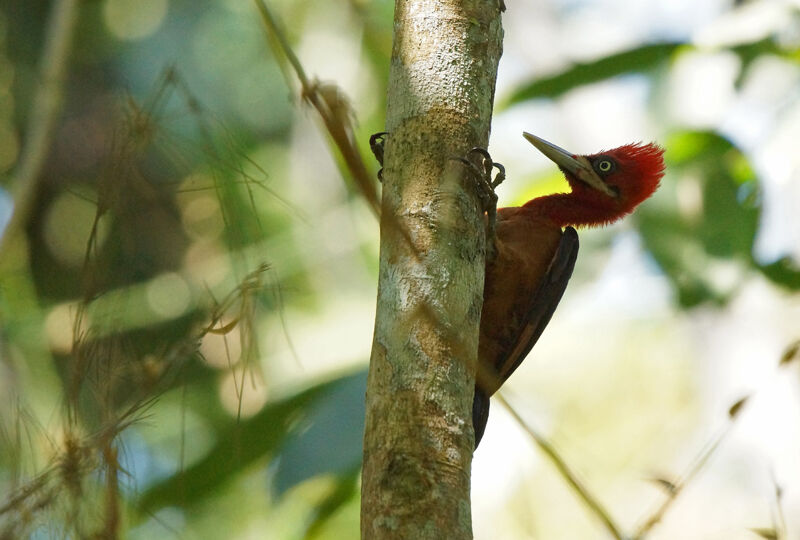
[376, 142]
[482, 174]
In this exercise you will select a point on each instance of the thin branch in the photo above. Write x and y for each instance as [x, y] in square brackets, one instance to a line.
[734, 413]
[331, 104]
[277, 34]
[334, 109]
[676, 488]
[45, 109]
[566, 472]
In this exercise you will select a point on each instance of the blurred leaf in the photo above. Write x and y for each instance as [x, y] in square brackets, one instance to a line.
[667, 485]
[790, 353]
[731, 201]
[330, 440]
[635, 60]
[344, 490]
[749, 52]
[736, 408]
[241, 445]
[377, 19]
[769, 534]
[703, 232]
[783, 272]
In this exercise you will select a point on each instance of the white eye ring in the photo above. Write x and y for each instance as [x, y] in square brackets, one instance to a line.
[604, 166]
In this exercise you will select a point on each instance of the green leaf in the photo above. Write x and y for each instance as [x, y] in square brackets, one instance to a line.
[345, 489]
[791, 353]
[783, 272]
[769, 46]
[667, 485]
[240, 446]
[636, 60]
[331, 438]
[703, 232]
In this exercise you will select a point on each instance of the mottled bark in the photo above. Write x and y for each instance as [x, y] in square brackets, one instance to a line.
[418, 441]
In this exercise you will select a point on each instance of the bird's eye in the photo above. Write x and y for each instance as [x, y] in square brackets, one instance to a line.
[604, 165]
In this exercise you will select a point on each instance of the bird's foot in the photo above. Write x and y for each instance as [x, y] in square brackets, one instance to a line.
[481, 169]
[376, 142]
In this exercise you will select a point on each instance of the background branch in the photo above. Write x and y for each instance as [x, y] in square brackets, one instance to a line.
[331, 104]
[45, 108]
[566, 472]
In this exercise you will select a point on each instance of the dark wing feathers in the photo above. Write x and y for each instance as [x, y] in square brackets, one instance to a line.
[544, 302]
[542, 305]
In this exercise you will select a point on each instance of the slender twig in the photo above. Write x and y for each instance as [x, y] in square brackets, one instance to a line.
[276, 33]
[566, 472]
[330, 103]
[734, 413]
[677, 488]
[45, 108]
[779, 519]
[333, 108]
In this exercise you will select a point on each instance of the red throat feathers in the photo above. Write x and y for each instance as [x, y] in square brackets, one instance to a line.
[605, 186]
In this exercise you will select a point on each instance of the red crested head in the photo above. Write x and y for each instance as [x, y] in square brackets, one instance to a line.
[605, 186]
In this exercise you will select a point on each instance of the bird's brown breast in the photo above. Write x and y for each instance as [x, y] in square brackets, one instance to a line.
[525, 248]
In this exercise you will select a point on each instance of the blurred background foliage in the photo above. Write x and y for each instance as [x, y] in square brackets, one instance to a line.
[185, 316]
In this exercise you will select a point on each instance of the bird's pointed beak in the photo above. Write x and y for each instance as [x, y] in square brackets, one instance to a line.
[578, 166]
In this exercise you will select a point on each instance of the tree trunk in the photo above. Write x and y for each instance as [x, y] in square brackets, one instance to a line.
[418, 440]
